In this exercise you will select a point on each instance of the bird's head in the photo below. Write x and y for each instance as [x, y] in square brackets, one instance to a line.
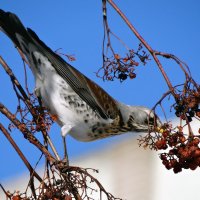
[141, 119]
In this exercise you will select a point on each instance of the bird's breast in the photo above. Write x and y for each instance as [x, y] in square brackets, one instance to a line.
[61, 100]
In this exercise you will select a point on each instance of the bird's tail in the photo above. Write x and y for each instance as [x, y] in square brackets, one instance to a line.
[11, 25]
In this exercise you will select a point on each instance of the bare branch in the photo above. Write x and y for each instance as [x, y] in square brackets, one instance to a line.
[19, 152]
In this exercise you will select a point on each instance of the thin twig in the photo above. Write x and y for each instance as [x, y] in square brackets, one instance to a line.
[19, 152]
[27, 134]
[6, 193]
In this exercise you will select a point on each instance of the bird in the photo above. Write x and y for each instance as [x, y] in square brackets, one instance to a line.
[84, 110]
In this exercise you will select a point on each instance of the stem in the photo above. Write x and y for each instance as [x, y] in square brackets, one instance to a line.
[6, 193]
[15, 81]
[182, 65]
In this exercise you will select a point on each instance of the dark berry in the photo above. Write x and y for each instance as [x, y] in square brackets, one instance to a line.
[122, 76]
[178, 113]
[191, 113]
[189, 118]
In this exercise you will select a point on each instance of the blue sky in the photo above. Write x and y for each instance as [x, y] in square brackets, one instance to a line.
[76, 27]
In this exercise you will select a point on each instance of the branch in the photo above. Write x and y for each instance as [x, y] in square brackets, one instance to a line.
[19, 152]
[27, 134]
[26, 100]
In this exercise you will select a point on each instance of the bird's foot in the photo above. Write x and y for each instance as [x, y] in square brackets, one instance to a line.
[65, 160]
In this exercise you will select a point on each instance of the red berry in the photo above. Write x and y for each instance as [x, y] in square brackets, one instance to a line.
[161, 144]
[195, 141]
[198, 113]
[182, 139]
[132, 75]
[177, 169]
[192, 166]
[197, 153]
[163, 157]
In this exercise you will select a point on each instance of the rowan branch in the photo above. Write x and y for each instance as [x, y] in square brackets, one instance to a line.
[19, 152]
[26, 133]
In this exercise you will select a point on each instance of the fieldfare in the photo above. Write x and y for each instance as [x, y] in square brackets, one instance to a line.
[83, 109]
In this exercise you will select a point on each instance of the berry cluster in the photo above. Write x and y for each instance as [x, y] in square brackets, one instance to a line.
[181, 151]
[182, 148]
[41, 119]
[118, 67]
[184, 151]
[186, 106]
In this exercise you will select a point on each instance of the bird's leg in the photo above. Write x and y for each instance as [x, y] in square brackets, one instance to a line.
[65, 151]
[64, 130]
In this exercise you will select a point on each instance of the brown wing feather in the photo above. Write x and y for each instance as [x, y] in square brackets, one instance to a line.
[107, 103]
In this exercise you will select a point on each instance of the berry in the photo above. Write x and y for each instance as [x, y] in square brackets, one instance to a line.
[177, 168]
[182, 139]
[198, 114]
[195, 141]
[161, 144]
[163, 157]
[191, 113]
[197, 153]
[122, 76]
[189, 118]
[132, 75]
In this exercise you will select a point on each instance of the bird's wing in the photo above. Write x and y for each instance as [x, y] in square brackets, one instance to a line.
[99, 100]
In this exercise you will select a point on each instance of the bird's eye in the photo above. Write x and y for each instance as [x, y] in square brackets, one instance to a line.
[150, 121]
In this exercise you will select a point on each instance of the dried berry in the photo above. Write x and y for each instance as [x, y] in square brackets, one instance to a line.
[161, 144]
[189, 118]
[173, 162]
[122, 76]
[163, 157]
[182, 139]
[165, 134]
[132, 75]
[192, 166]
[197, 153]
[117, 56]
[178, 113]
[191, 113]
[16, 197]
[198, 114]
[195, 141]
[177, 168]
[183, 117]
